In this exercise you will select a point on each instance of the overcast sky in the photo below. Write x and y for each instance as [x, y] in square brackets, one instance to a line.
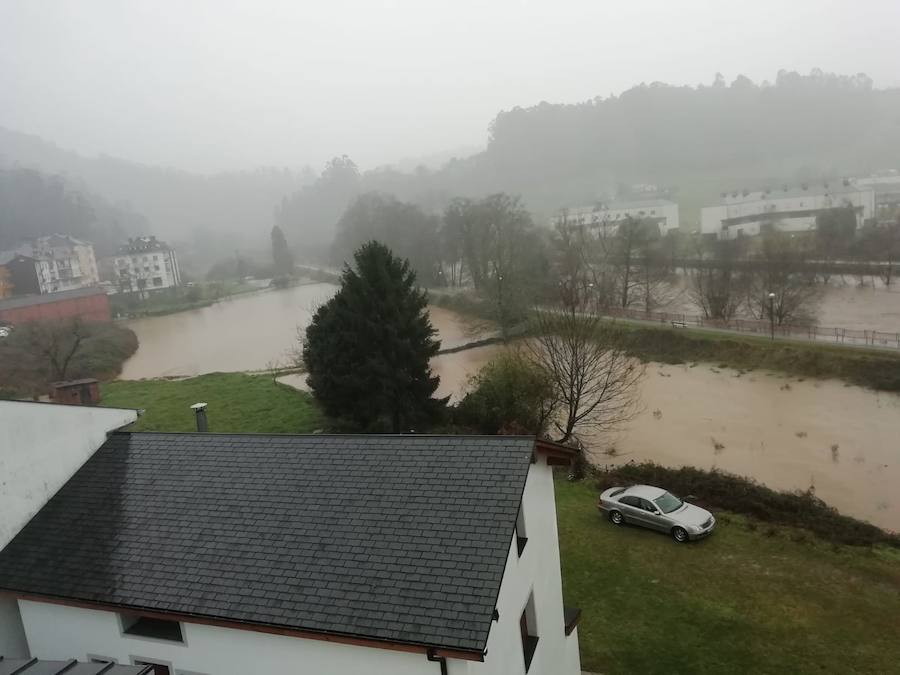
[216, 84]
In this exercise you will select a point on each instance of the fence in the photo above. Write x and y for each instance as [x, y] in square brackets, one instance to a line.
[849, 336]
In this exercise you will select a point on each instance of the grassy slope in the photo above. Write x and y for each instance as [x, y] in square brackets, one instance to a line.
[876, 368]
[744, 600]
[238, 403]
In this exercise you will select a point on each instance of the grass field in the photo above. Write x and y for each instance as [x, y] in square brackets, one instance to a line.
[750, 599]
[238, 403]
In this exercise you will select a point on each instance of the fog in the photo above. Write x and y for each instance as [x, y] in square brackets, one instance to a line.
[212, 85]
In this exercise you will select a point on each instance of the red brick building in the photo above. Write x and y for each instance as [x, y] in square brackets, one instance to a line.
[91, 304]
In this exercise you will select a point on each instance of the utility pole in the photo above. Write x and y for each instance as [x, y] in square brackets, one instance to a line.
[772, 315]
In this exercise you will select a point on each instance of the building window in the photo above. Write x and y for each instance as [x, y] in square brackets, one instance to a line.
[521, 535]
[528, 628]
[157, 281]
[145, 626]
[158, 668]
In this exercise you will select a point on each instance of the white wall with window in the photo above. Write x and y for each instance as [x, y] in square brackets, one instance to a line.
[531, 593]
[149, 270]
[795, 210]
[605, 218]
[529, 635]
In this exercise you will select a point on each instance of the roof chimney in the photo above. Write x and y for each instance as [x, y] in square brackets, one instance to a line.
[200, 411]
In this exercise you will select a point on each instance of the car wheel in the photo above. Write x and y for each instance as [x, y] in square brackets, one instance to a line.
[616, 518]
[679, 534]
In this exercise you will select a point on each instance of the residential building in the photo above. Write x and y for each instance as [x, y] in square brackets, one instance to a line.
[90, 304]
[605, 218]
[786, 209]
[887, 193]
[308, 554]
[146, 264]
[41, 446]
[61, 263]
[19, 274]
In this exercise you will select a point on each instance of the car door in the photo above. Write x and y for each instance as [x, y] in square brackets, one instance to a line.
[633, 512]
[654, 517]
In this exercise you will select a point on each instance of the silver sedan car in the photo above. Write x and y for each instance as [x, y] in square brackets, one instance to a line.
[656, 509]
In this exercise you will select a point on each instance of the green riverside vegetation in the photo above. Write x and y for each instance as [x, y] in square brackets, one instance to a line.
[875, 368]
[238, 403]
[751, 598]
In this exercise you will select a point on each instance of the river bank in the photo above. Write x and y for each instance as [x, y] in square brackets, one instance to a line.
[875, 368]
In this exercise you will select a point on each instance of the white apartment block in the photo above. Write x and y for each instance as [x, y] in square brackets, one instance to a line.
[606, 217]
[62, 263]
[747, 214]
[887, 193]
[146, 264]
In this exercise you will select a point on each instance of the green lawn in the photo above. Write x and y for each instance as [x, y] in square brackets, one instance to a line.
[749, 599]
[238, 403]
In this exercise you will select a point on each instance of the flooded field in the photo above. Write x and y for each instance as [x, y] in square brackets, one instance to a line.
[843, 304]
[789, 434]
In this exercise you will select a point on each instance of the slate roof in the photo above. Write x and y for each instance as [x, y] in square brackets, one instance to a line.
[396, 538]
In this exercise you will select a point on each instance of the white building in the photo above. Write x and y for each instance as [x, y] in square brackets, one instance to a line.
[62, 263]
[41, 446]
[235, 554]
[606, 217]
[887, 193]
[146, 264]
[785, 209]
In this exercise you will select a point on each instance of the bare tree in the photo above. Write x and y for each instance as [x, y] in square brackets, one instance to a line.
[716, 284]
[780, 288]
[654, 280]
[631, 240]
[594, 380]
[58, 342]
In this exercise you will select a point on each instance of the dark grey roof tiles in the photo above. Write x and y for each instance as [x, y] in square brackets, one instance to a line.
[395, 538]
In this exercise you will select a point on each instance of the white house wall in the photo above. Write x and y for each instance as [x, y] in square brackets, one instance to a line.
[58, 632]
[536, 571]
[41, 446]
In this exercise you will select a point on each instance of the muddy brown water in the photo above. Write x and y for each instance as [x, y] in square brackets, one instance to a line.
[789, 434]
[247, 332]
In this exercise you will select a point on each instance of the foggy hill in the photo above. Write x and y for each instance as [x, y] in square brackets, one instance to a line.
[177, 204]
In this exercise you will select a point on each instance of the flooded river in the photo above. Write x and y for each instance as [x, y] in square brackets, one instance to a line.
[789, 434]
[786, 433]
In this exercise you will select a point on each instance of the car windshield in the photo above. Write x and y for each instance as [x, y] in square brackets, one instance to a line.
[668, 503]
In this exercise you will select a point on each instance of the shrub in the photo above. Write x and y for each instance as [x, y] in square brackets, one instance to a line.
[719, 490]
[509, 395]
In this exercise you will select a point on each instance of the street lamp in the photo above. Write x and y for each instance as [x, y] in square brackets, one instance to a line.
[772, 314]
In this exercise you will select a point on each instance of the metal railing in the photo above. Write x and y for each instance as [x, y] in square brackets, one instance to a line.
[810, 332]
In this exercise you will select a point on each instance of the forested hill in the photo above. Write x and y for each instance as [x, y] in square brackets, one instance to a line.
[177, 204]
[696, 138]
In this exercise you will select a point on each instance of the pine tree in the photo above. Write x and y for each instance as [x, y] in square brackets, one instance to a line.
[281, 254]
[367, 349]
